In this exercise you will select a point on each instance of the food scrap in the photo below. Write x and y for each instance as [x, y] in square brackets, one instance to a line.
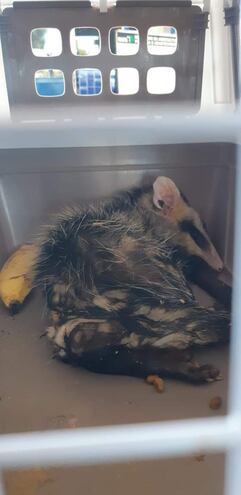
[215, 403]
[16, 277]
[200, 457]
[157, 382]
[27, 482]
[63, 421]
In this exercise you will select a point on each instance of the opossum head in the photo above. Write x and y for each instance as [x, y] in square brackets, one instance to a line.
[191, 231]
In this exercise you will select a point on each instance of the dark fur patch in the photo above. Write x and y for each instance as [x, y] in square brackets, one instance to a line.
[188, 227]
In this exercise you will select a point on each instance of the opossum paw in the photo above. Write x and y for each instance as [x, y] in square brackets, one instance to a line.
[60, 354]
[51, 333]
[205, 373]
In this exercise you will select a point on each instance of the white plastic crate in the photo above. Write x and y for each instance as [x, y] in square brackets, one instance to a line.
[87, 446]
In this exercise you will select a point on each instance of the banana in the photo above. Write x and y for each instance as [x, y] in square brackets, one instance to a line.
[16, 277]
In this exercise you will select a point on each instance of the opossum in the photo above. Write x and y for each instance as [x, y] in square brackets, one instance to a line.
[116, 275]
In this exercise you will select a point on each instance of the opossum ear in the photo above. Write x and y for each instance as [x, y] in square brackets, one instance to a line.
[165, 194]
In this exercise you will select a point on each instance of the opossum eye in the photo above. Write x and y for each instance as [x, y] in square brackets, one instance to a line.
[161, 203]
[205, 225]
[197, 236]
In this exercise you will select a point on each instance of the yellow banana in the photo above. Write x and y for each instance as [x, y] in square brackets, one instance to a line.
[16, 277]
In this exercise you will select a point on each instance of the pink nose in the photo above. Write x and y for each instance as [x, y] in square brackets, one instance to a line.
[220, 269]
[217, 263]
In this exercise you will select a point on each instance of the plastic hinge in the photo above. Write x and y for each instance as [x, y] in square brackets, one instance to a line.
[201, 21]
[231, 15]
[103, 6]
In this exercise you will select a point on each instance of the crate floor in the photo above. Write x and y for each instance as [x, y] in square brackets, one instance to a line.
[40, 393]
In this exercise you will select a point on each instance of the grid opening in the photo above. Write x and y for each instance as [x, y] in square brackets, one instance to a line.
[161, 80]
[162, 40]
[85, 41]
[49, 82]
[124, 40]
[124, 81]
[87, 82]
[46, 42]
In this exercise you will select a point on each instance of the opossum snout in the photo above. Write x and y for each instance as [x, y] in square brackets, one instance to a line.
[213, 259]
[175, 207]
